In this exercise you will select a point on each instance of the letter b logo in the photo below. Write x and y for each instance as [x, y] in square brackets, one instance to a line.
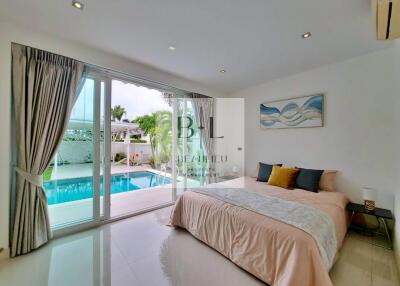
[189, 123]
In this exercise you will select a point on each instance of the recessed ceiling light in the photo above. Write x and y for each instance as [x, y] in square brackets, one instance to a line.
[77, 5]
[171, 48]
[222, 71]
[306, 35]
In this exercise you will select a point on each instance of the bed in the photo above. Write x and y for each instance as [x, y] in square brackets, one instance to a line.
[277, 252]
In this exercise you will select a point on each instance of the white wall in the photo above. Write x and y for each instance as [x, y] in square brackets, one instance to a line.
[361, 136]
[358, 138]
[143, 149]
[229, 122]
[396, 232]
[11, 33]
[75, 152]
[397, 190]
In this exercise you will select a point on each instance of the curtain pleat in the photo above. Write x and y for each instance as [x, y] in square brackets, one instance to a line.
[44, 88]
[204, 109]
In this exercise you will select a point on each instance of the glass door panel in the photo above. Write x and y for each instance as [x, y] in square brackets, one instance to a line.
[141, 148]
[105, 157]
[118, 154]
[197, 163]
[180, 137]
[68, 181]
[190, 158]
[102, 147]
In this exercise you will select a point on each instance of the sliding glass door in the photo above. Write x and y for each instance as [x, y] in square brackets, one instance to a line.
[141, 148]
[77, 181]
[117, 156]
[69, 181]
[192, 164]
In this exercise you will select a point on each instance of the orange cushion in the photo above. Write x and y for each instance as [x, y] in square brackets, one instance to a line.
[282, 177]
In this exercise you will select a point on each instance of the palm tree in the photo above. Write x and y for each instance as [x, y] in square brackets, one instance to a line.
[147, 123]
[164, 135]
[117, 112]
[158, 126]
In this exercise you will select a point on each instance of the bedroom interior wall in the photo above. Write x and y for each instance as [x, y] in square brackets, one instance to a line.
[396, 232]
[397, 156]
[361, 133]
[10, 32]
[229, 123]
[358, 137]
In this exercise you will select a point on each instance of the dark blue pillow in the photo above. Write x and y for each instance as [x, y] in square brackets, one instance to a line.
[264, 171]
[308, 179]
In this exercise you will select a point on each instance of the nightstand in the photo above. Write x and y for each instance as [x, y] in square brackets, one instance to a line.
[381, 216]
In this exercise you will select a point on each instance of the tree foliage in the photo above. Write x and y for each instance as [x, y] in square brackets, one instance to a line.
[117, 112]
[158, 126]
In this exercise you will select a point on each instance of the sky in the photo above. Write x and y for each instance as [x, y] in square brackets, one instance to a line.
[137, 100]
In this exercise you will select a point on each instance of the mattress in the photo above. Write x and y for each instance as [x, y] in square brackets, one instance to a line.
[274, 251]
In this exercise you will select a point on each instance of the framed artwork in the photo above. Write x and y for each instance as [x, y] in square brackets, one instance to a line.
[299, 112]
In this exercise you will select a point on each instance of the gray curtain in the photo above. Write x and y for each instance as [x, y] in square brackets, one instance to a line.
[204, 109]
[44, 87]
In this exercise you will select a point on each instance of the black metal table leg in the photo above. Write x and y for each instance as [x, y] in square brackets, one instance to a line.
[387, 232]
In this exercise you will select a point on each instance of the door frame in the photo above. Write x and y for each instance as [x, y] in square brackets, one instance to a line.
[96, 218]
[101, 160]
[101, 212]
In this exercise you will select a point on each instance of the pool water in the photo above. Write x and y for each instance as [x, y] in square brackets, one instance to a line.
[68, 190]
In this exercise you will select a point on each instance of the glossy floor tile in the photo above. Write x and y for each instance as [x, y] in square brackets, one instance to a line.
[143, 251]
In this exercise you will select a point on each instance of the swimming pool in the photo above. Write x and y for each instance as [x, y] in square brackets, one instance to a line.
[68, 190]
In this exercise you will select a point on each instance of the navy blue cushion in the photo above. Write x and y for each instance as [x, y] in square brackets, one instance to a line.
[264, 171]
[308, 179]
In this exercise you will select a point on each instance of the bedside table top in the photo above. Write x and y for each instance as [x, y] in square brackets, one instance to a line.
[358, 208]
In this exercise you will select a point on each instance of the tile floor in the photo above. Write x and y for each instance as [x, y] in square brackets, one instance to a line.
[143, 251]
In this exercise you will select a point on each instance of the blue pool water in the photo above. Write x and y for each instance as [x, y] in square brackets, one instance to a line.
[68, 190]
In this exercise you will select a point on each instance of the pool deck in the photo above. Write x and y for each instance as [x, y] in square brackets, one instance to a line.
[121, 203]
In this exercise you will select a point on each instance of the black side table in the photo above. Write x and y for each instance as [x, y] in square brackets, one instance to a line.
[381, 216]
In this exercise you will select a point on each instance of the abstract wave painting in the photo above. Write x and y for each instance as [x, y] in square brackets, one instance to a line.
[306, 111]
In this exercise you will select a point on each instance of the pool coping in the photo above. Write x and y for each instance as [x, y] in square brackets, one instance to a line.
[167, 175]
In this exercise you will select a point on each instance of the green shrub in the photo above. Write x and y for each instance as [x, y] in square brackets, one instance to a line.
[150, 161]
[47, 173]
[119, 156]
[136, 136]
[138, 141]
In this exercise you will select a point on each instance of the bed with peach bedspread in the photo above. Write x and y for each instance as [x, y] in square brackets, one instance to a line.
[274, 251]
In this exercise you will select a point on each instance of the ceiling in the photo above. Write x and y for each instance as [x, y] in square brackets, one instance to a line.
[254, 41]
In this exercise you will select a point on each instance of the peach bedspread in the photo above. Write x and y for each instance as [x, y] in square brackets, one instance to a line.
[275, 252]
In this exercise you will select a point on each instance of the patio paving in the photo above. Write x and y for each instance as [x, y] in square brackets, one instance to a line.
[121, 203]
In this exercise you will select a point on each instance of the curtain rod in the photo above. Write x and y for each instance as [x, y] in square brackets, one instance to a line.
[124, 74]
